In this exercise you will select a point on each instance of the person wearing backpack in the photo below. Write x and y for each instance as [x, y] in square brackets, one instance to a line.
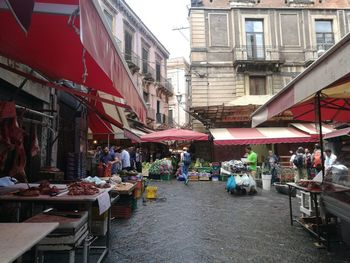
[186, 162]
[300, 164]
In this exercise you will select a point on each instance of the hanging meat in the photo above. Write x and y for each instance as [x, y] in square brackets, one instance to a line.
[35, 142]
[11, 140]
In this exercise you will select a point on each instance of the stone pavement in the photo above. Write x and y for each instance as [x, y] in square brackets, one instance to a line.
[201, 222]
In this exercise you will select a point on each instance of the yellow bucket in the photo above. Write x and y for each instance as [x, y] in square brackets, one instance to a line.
[151, 192]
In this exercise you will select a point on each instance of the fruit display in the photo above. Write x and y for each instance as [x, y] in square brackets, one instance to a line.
[162, 167]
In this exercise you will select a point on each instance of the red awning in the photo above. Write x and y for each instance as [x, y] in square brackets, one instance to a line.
[107, 122]
[63, 45]
[337, 133]
[328, 76]
[174, 135]
[242, 136]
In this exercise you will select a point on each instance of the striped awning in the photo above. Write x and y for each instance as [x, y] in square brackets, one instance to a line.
[268, 135]
[312, 129]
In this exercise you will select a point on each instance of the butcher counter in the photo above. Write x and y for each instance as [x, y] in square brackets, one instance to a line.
[102, 200]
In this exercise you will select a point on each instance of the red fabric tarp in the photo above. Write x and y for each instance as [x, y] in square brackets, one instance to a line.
[56, 43]
[174, 135]
[267, 135]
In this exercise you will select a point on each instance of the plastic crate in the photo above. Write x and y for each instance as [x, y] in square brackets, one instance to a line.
[165, 177]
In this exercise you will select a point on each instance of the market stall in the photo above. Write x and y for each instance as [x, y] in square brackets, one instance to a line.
[319, 94]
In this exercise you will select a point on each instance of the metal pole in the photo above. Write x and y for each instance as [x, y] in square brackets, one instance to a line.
[319, 115]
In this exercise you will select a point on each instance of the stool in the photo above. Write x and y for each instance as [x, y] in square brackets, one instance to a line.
[70, 234]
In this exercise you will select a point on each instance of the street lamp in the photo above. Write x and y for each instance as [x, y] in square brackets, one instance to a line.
[178, 98]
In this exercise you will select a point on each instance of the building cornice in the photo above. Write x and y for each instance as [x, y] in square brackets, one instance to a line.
[136, 22]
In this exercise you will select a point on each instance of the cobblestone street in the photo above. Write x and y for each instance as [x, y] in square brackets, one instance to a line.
[202, 223]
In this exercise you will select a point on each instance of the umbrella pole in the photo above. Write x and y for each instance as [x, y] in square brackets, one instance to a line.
[318, 98]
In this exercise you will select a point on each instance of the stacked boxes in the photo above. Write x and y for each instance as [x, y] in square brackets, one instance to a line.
[98, 222]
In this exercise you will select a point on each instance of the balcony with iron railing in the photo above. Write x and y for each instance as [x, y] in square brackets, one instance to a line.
[148, 71]
[132, 59]
[314, 52]
[256, 53]
[165, 84]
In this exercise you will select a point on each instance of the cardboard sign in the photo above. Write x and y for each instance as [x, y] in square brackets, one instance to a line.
[104, 202]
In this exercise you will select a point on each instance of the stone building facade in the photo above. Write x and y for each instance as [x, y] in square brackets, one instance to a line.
[146, 58]
[178, 70]
[243, 52]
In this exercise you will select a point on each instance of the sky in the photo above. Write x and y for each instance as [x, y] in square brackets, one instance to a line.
[161, 17]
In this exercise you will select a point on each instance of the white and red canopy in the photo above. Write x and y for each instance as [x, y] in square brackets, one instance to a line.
[174, 135]
[268, 135]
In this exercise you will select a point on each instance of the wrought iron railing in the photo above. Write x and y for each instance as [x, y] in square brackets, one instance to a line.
[132, 58]
[256, 52]
[148, 71]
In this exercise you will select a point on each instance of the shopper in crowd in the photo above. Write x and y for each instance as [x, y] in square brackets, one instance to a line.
[308, 160]
[109, 158]
[330, 159]
[132, 153]
[271, 162]
[291, 160]
[300, 164]
[316, 158]
[186, 162]
[124, 158]
[138, 159]
[252, 159]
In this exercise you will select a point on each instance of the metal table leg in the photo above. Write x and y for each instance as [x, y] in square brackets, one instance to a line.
[290, 205]
[314, 196]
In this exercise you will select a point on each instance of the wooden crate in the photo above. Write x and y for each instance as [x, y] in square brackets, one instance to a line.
[193, 178]
[204, 178]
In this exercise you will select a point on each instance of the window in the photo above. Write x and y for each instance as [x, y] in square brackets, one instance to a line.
[158, 71]
[144, 60]
[158, 106]
[109, 18]
[324, 34]
[128, 46]
[257, 85]
[255, 39]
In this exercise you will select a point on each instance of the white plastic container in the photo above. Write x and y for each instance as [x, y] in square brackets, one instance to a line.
[266, 181]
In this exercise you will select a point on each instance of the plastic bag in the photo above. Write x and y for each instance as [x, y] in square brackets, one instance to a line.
[238, 180]
[245, 180]
[252, 182]
[231, 183]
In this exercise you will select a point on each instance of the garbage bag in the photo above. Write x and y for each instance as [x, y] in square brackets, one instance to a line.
[231, 183]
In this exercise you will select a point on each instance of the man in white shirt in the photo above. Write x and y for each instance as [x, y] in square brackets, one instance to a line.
[124, 158]
[330, 159]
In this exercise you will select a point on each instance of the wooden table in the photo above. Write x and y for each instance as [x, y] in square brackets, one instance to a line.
[18, 238]
[124, 188]
[314, 193]
[63, 198]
